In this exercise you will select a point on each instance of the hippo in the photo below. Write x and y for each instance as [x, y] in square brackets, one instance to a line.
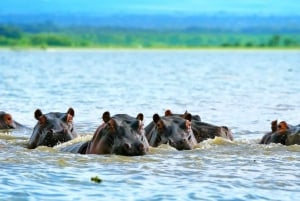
[202, 130]
[120, 134]
[171, 129]
[7, 121]
[282, 133]
[52, 128]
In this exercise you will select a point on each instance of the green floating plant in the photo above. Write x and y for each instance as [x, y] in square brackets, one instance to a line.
[96, 179]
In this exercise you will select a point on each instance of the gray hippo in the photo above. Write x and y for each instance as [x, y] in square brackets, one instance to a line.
[173, 130]
[7, 121]
[282, 133]
[52, 128]
[120, 134]
[203, 131]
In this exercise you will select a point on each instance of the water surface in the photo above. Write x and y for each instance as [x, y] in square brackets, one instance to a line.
[244, 90]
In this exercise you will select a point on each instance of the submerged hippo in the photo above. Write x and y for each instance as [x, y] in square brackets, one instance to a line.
[120, 134]
[282, 133]
[7, 121]
[173, 130]
[203, 131]
[52, 128]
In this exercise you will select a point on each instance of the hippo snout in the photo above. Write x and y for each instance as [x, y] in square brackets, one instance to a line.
[131, 149]
[141, 148]
[182, 144]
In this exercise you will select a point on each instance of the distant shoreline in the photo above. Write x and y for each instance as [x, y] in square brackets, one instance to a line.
[47, 36]
[50, 49]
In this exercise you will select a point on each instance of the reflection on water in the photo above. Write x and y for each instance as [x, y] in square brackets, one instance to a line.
[243, 90]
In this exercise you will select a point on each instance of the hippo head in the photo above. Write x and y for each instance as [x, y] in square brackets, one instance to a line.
[173, 130]
[6, 121]
[286, 134]
[121, 135]
[52, 128]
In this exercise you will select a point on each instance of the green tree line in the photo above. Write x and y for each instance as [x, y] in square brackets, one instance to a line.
[104, 37]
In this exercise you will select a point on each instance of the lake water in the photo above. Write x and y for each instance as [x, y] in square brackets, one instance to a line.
[244, 90]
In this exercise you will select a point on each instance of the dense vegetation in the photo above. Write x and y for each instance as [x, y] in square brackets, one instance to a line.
[105, 37]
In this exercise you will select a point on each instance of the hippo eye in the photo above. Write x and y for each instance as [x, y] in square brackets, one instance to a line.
[279, 126]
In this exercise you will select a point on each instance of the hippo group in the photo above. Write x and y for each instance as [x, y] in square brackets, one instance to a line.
[123, 134]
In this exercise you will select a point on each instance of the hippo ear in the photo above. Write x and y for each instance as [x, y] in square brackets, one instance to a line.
[156, 118]
[168, 112]
[186, 124]
[188, 116]
[106, 116]
[274, 125]
[8, 118]
[111, 125]
[140, 116]
[71, 112]
[37, 114]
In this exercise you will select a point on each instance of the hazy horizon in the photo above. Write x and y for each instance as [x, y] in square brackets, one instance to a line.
[105, 7]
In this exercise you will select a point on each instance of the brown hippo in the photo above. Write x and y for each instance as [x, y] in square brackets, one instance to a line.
[120, 134]
[52, 128]
[7, 121]
[282, 133]
[203, 131]
[173, 130]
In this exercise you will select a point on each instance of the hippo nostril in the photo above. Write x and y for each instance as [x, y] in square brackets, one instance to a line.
[183, 141]
[127, 146]
[141, 146]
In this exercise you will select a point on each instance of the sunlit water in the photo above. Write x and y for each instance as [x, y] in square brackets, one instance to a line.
[244, 90]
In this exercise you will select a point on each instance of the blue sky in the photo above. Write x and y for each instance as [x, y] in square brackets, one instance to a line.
[240, 7]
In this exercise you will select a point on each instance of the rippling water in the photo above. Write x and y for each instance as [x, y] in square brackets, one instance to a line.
[244, 90]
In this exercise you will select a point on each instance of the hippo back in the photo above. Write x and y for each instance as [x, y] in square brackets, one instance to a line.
[79, 147]
[294, 136]
[204, 131]
[52, 128]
